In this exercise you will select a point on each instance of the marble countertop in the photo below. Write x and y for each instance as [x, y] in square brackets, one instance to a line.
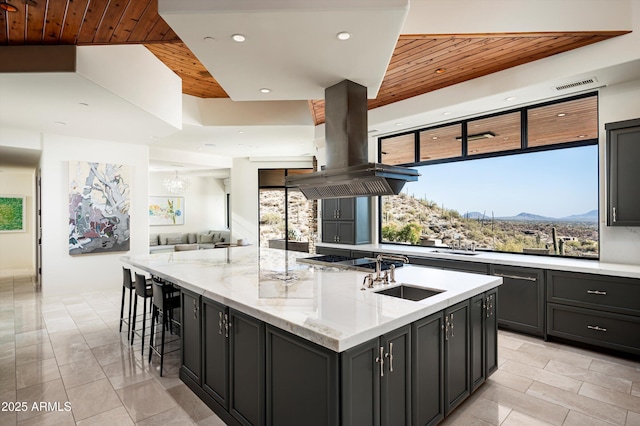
[589, 266]
[322, 304]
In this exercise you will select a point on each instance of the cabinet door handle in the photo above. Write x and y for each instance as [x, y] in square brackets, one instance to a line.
[596, 328]
[195, 310]
[614, 215]
[599, 292]
[219, 322]
[226, 325]
[516, 277]
[451, 325]
[390, 356]
[446, 327]
[380, 360]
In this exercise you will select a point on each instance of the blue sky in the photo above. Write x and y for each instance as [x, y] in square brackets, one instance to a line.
[554, 183]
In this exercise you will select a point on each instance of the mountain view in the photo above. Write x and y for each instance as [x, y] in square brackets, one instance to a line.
[411, 220]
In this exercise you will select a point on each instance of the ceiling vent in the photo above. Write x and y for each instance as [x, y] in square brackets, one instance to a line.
[576, 84]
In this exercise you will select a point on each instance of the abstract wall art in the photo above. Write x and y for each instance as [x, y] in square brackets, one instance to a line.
[12, 213]
[98, 208]
[166, 210]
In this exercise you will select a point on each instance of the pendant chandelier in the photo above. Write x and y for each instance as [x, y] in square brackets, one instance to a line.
[176, 185]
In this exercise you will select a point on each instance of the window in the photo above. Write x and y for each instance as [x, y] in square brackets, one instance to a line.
[441, 142]
[399, 149]
[287, 218]
[508, 197]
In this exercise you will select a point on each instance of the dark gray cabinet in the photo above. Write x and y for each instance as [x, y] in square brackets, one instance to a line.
[223, 359]
[623, 173]
[246, 369]
[484, 337]
[346, 220]
[521, 299]
[376, 381]
[215, 317]
[302, 381]
[427, 362]
[456, 355]
[599, 310]
[191, 329]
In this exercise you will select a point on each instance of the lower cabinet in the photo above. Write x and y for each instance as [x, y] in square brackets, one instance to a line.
[594, 309]
[191, 334]
[376, 381]
[302, 381]
[456, 355]
[521, 299]
[230, 350]
[250, 373]
[427, 357]
[484, 337]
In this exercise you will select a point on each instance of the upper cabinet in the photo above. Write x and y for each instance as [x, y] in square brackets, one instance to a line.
[346, 220]
[623, 173]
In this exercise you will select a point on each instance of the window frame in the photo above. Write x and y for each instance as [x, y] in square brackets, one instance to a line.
[524, 149]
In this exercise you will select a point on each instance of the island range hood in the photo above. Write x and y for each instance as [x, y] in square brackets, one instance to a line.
[348, 172]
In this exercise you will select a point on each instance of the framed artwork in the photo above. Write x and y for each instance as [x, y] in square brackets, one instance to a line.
[12, 213]
[98, 208]
[166, 210]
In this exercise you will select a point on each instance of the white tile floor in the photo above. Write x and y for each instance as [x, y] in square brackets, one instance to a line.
[68, 350]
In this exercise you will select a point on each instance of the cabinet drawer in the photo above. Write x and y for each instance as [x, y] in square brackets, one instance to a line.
[615, 294]
[615, 331]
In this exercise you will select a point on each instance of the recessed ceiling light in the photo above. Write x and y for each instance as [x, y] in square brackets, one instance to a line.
[440, 71]
[209, 145]
[582, 136]
[238, 37]
[8, 7]
[446, 113]
[153, 137]
[60, 123]
[343, 35]
[209, 40]
[434, 137]
[398, 124]
[240, 131]
[510, 98]
[265, 90]
[84, 104]
[562, 114]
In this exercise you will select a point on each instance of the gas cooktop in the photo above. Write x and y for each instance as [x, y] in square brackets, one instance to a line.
[364, 263]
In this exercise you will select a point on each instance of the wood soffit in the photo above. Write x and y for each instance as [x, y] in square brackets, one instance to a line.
[421, 63]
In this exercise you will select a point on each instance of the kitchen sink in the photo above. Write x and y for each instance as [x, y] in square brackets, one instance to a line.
[409, 292]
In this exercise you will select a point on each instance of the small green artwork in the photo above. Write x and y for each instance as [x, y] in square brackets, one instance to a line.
[12, 214]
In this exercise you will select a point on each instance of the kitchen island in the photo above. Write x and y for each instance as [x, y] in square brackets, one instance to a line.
[270, 340]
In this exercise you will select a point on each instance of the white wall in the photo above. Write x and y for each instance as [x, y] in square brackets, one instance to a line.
[62, 273]
[617, 103]
[244, 194]
[204, 203]
[17, 249]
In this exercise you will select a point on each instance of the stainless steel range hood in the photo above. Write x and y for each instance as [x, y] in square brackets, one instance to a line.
[348, 172]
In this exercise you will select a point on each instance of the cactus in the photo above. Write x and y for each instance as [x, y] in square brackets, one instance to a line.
[554, 236]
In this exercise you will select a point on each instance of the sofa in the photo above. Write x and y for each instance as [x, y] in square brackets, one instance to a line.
[177, 241]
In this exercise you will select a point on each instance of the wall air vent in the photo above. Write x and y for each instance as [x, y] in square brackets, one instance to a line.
[576, 84]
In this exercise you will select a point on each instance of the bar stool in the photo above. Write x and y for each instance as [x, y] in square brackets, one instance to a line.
[127, 284]
[165, 300]
[142, 290]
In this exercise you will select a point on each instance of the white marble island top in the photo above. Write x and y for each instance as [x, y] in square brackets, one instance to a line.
[321, 304]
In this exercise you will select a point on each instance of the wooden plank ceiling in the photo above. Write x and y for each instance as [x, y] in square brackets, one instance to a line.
[420, 63]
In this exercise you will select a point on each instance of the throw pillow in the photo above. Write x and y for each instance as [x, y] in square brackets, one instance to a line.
[191, 238]
[174, 240]
[153, 239]
[205, 239]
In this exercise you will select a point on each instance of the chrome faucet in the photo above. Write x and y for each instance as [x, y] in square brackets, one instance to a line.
[380, 258]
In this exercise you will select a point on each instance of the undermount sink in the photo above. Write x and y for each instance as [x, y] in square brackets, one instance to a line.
[409, 292]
